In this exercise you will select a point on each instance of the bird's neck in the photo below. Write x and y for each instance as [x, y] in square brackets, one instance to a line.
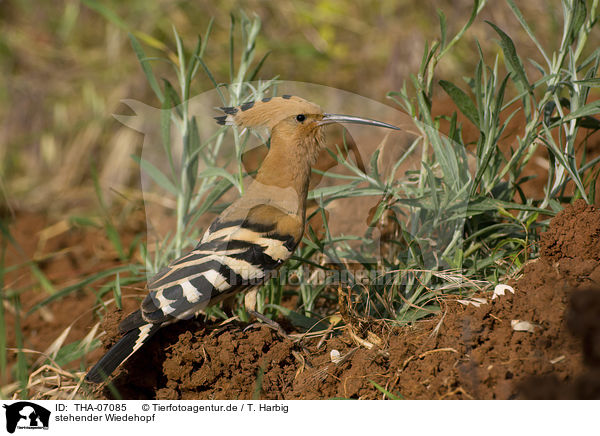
[286, 167]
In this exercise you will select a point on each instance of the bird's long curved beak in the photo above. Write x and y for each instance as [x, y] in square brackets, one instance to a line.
[337, 118]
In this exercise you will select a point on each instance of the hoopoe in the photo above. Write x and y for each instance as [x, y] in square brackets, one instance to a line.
[251, 238]
[340, 142]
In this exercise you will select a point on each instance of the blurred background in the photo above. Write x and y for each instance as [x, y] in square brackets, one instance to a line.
[65, 65]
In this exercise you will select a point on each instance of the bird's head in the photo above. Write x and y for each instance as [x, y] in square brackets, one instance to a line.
[294, 121]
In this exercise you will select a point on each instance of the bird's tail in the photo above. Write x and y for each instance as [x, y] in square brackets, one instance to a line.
[121, 351]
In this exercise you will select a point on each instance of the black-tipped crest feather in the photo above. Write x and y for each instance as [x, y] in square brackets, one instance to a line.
[221, 120]
[229, 110]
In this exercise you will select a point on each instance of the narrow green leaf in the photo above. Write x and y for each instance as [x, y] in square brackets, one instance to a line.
[165, 123]
[527, 29]
[181, 57]
[105, 12]
[483, 204]
[117, 292]
[231, 47]
[193, 146]
[589, 109]
[191, 69]
[579, 13]
[42, 279]
[477, 6]
[432, 184]
[109, 228]
[115, 239]
[73, 351]
[82, 221]
[214, 194]
[77, 286]
[144, 62]
[258, 384]
[300, 320]
[212, 79]
[564, 160]
[462, 101]
[206, 36]
[386, 392]
[3, 334]
[22, 367]
[172, 99]
[594, 57]
[512, 60]
[155, 174]
[218, 172]
[442, 18]
[592, 83]
[256, 69]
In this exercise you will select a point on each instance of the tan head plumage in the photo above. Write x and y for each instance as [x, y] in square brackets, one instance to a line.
[296, 130]
[267, 112]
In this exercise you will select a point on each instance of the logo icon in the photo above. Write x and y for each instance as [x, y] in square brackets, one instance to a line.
[26, 415]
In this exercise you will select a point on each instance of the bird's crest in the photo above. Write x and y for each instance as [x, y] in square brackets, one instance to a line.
[267, 112]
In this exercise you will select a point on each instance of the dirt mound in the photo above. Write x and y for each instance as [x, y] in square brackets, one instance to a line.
[582, 319]
[465, 352]
[193, 360]
[572, 244]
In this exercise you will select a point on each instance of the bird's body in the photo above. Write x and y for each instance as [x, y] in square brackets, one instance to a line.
[250, 239]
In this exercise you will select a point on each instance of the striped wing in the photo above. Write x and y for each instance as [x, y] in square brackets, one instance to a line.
[232, 256]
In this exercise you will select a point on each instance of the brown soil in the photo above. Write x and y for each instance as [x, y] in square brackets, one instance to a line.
[65, 254]
[465, 352]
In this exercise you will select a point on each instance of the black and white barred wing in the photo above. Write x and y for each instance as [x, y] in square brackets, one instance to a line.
[200, 278]
[231, 257]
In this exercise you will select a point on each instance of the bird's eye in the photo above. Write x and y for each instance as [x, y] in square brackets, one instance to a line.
[300, 118]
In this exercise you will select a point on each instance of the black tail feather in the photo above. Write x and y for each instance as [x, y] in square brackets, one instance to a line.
[120, 352]
[132, 321]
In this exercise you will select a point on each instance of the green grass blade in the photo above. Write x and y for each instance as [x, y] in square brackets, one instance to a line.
[146, 67]
[527, 29]
[300, 320]
[231, 47]
[111, 232]
[386, 392]
[79, 285]
[443, 28]
[218, 172]
[105, 12]
[155, 174]
[3, 336]
[592, 108]
[42, 279]
[73, 351]
[206, 36]
[213, 81]
[22, 369]
[117, 292]
[258, 67]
